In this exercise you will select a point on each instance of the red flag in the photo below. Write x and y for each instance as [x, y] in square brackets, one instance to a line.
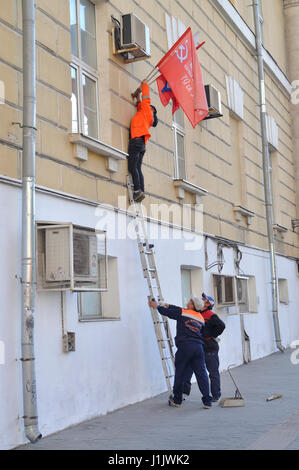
[180, 68]
[166, 94]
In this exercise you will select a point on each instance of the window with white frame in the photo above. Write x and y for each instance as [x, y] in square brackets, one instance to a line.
[283, 291]
[235, 294]
[94, 306]
[186, 286]
[224, 290]
[84, 68]
[178, 126]
[191, 283]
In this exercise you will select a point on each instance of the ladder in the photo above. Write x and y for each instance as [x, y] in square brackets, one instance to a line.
[150, 272]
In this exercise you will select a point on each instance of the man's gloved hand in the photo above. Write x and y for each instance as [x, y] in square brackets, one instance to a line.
[152, 303]
[136, 93]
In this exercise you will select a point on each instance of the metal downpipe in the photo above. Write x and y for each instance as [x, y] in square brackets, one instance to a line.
[28, 222]
[266, 171]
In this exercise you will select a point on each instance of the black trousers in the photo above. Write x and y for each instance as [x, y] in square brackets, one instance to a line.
[136, 153]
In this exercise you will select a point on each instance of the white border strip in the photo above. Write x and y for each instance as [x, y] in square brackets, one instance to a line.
[232, 17]
[14, 182]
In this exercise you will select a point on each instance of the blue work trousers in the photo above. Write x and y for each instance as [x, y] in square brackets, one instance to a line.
[190, 356]
[212, 364]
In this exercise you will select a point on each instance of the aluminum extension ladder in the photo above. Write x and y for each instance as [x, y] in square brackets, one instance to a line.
[150, 272]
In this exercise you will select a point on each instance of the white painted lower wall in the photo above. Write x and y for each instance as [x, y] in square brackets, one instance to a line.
[116, 363]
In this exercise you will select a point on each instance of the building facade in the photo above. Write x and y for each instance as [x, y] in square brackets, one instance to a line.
[205, 202]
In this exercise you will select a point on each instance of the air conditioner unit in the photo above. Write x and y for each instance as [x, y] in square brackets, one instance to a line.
[58, 260]
[214, 102]
[131, 39]
[71, 258]
[135, 36]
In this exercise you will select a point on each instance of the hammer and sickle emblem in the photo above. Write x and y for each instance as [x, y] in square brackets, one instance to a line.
[181, 55]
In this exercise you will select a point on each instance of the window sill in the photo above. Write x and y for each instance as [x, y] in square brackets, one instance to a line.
[97, 319]
[241, 211]
[280, 230]
[83, 143]
[182, 185]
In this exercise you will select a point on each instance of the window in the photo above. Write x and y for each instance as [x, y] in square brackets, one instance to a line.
[178, 126]
[224, 289]
[235, 294]
[191, 283]
[84, 68]
[102, 305]
[186, 286]
[175, 28]
[283, 291]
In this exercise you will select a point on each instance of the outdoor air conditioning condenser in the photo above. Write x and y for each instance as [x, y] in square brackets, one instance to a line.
[214, 102]
[135, 36]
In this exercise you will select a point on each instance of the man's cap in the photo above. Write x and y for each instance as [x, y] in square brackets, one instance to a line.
[210, 299]
[198, 304]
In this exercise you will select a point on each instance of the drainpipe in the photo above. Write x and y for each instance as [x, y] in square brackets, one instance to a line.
[266, 171]
[28, 222]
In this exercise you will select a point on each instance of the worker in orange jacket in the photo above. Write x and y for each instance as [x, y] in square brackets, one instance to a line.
[145, 117]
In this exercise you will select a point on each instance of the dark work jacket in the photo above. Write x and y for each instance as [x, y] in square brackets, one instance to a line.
[189, 324]
[213, 328]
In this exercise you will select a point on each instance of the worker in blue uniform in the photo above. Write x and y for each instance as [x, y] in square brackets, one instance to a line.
[190, 353]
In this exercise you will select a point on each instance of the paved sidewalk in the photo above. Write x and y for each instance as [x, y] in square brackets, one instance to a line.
[155, 426]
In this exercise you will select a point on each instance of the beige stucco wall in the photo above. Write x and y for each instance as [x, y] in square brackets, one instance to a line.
[272, 26]
[292, 21]
[209, 157]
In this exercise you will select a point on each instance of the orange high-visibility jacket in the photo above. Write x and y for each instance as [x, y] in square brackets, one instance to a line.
[143, 119]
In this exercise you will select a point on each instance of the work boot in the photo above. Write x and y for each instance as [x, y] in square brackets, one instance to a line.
[137, 195]
[171, 402]
[215, 400]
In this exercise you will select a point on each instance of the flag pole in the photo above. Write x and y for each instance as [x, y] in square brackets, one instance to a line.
[197, 47]
[153, 78]
[151, 74]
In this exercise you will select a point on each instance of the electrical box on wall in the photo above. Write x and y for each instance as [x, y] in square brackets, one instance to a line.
[131, 38]
[69, 344]
[71, 257]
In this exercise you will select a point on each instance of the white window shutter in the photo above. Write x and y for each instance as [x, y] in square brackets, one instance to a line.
[272, 133]
[175, 28]
[235, 98]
